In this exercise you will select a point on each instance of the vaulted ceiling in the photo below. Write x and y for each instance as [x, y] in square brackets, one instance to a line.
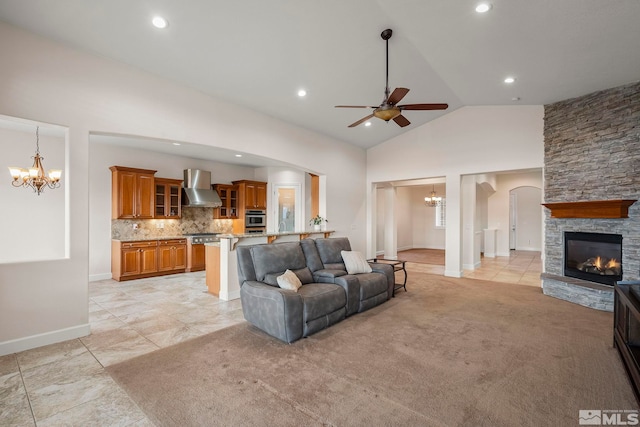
[259, 53]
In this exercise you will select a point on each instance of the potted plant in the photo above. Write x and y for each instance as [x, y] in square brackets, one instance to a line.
[317, 221]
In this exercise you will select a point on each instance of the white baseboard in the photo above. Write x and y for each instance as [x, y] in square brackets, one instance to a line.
[503, 254]
[34, 341]
[471, 266]
[229, 296]
[452, 273]
[97, 277]
[527, 248]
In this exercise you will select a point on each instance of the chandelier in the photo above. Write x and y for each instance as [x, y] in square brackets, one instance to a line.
[35, 177]
[432, 201]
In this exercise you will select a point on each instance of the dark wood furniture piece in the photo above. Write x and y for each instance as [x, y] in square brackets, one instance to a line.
[626, 329]
[397, 265]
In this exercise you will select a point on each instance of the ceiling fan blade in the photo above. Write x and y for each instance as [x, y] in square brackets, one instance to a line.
[353, 106]
[364, 119]
[397, 95]
[401, 121]
[424, 107]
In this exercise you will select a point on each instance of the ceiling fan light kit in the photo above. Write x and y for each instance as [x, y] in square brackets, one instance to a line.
[389, 109]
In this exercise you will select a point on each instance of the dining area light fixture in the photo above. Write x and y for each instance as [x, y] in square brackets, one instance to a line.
[433, 200]
[34, 177]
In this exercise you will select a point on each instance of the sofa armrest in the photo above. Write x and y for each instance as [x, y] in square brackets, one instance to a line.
[351, 286]
[327, 275]
[387, 270]
[276, 311]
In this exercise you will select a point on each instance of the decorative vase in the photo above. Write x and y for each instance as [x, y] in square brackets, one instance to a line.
[316, 227]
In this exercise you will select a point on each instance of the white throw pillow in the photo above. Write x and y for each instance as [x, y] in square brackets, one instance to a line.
[355, 262]
[289, 280]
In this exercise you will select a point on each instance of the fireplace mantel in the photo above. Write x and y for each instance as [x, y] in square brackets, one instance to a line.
[591, 209]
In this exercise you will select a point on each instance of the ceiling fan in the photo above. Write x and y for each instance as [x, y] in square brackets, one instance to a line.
[389, 109]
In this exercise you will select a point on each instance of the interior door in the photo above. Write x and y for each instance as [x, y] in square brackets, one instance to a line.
[513, 215]
[288, 209]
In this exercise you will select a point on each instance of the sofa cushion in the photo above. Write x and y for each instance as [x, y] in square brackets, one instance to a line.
[289, 280]
[304, 275]
[320, 299]
[329, 250]
[355, 262]
[372, 284]
[276, 258]
[311, 254]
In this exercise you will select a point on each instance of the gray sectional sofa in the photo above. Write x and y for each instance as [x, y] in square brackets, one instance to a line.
[328, 293]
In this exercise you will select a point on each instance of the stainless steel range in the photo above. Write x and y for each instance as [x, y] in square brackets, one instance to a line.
[201, 238]
[196, 251]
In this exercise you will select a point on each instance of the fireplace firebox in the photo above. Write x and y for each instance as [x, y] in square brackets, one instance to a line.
[596, 257]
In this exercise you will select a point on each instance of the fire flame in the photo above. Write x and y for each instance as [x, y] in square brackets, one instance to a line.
[611, 265]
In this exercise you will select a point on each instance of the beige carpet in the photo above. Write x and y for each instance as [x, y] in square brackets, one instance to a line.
[449, 352]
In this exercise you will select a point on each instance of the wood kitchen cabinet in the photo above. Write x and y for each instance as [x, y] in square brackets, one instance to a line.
[168, 198]
[253, 194]
[172, 255]
[147, 258]
[229, 197]
[195, 258]
[132, 260]
[132, 193]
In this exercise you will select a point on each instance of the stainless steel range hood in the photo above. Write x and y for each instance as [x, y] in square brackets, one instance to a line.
[196, 190]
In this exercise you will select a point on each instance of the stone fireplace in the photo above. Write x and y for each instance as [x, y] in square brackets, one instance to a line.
[592, 156]
[596, 257]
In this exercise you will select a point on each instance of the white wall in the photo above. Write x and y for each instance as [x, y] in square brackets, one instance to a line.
[404, 216]
[528, 218]
[45, 302]
[415, 223]
[425, 233]
[498, 206]
[32, 226]
[470, 140]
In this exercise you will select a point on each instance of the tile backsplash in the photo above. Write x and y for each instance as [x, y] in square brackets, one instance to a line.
[194, 220]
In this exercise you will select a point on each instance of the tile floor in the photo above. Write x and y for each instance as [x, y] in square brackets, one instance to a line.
[66, 383]
[521, 268]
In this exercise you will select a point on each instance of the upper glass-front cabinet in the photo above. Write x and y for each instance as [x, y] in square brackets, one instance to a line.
[168, 198]
[229, 197]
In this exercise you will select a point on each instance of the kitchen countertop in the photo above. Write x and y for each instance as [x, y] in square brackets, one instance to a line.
[275, 234]
[269, 236]
[146, 239]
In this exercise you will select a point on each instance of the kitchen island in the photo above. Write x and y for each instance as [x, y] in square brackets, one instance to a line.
[221, 259]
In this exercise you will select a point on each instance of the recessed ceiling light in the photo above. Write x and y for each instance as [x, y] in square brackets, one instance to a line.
[238, 155]
[302, 93]
[159, 22]
[176, 143]
[483, 7]
[367, 124]
[509, 80]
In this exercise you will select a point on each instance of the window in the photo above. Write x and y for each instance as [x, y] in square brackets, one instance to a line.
[441, 214]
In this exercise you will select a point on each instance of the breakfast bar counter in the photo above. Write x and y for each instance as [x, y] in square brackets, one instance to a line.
[222, 264]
